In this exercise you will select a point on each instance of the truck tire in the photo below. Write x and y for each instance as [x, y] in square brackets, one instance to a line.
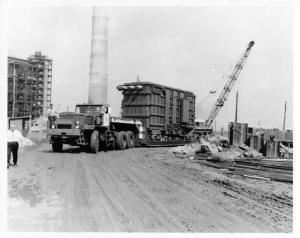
[94, 142]
[102, 141]
[130, 139]
[57, 145]
[121, 140]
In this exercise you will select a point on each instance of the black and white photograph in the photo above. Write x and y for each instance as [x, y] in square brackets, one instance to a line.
[148, 118]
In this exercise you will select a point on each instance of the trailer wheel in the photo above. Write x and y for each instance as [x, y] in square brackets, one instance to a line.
[121, 140]
[57, 145]
[94, 142]
[130, 139]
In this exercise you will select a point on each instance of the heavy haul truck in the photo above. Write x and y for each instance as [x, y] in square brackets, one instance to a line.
[92, 126]
[142, 124]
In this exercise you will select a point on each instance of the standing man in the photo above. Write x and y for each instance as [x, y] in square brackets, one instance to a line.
[51, 115]
[13, 136]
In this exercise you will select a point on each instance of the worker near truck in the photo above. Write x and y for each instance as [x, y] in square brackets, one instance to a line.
[13, 136]
[52, 115]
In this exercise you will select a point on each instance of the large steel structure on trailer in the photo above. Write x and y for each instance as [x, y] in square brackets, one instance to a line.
[167, 113]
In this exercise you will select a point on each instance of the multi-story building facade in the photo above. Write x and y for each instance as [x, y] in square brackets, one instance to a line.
[29, 85]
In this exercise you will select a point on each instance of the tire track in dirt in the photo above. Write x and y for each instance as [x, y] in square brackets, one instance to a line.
[249, 198]
[166, 222]
[252, 201]
[131, 197]
[212, 216]
[79, 213]
[138, 184]
[102, 186]
[142, 190]
[184, 185]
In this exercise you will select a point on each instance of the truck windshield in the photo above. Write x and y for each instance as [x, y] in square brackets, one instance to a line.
[87, 109]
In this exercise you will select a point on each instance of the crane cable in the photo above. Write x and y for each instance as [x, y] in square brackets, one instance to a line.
[229, 70]
[217, 85]
[225, 104]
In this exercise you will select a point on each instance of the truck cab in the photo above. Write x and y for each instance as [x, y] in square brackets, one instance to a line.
[92, 125]
[100, 112]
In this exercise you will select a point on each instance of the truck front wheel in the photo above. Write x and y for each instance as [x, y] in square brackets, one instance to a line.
[130, 139]
[57, 145]
[121, 140]
[94, 142]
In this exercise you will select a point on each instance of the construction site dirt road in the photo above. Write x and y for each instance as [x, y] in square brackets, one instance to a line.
[139, 190]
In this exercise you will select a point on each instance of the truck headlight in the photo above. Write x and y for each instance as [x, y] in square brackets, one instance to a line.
[77, 124]
[53, 126]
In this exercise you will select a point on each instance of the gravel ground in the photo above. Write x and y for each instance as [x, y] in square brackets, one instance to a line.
[139, 190]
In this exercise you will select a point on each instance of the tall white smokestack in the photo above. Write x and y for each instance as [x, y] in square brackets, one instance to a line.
[98, 61]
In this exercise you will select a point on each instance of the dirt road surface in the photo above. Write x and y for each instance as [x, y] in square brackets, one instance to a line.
[139, 190]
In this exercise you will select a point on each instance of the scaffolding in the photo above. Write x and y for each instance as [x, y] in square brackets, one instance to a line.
[29, 86]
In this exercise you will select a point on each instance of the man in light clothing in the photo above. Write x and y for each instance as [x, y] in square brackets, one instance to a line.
[51, 115]
[13, 136]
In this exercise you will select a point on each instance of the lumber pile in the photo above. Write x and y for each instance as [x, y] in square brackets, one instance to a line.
[276, 170]
[267, 169]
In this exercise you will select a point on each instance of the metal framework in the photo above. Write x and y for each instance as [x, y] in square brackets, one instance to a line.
[29, 85]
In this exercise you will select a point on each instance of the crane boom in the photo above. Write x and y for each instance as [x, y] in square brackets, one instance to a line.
[232, 78]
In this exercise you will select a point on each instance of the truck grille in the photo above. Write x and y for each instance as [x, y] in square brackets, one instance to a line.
[64, 126]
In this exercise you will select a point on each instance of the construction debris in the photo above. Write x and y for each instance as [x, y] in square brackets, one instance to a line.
[219, 140]
[188, 149]
[271, 143]
[202, 148]
[249, 152]
[229, 156]
[240, 160]
[214, 148]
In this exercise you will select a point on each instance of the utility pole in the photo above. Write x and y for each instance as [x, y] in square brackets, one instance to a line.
[284, 116]
[236, 106]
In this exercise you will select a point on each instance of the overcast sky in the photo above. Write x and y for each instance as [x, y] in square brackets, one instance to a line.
[183, 47]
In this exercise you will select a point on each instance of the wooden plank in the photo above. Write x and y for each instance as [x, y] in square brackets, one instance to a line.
[273, 176]
[278, 166]
[263, 168]
[256, 177]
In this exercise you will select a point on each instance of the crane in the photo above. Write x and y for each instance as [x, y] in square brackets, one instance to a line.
[232, 78]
